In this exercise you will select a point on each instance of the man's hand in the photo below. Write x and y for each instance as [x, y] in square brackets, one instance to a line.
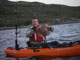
[39, 27]
[47, 26]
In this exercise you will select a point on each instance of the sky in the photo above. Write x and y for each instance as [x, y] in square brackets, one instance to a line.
[63, 2]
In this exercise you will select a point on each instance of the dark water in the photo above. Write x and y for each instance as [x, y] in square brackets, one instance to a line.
[61, 32]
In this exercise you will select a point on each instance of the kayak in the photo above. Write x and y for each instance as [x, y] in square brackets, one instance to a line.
[44, 52]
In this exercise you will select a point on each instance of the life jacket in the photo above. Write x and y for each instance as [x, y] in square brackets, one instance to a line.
[36, 37]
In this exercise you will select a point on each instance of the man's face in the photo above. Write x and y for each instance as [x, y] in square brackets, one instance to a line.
[35, 22]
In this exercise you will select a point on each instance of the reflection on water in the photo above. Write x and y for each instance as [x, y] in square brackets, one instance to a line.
[47, 58]
[61, 58]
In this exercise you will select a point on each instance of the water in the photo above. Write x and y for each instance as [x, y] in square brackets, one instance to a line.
[61, 32]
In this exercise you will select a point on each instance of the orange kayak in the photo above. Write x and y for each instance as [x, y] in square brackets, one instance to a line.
[52, 52]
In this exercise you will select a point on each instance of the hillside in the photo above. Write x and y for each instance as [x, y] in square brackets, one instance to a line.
[22, 13]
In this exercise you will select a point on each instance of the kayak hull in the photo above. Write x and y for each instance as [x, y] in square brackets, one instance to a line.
[50, 52]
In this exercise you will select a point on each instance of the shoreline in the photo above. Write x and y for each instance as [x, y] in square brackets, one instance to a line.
[7, 28]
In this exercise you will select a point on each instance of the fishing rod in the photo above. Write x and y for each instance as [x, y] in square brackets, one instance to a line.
[16, 41]
[16, 26]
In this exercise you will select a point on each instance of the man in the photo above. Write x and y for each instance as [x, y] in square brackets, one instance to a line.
[37, 34]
